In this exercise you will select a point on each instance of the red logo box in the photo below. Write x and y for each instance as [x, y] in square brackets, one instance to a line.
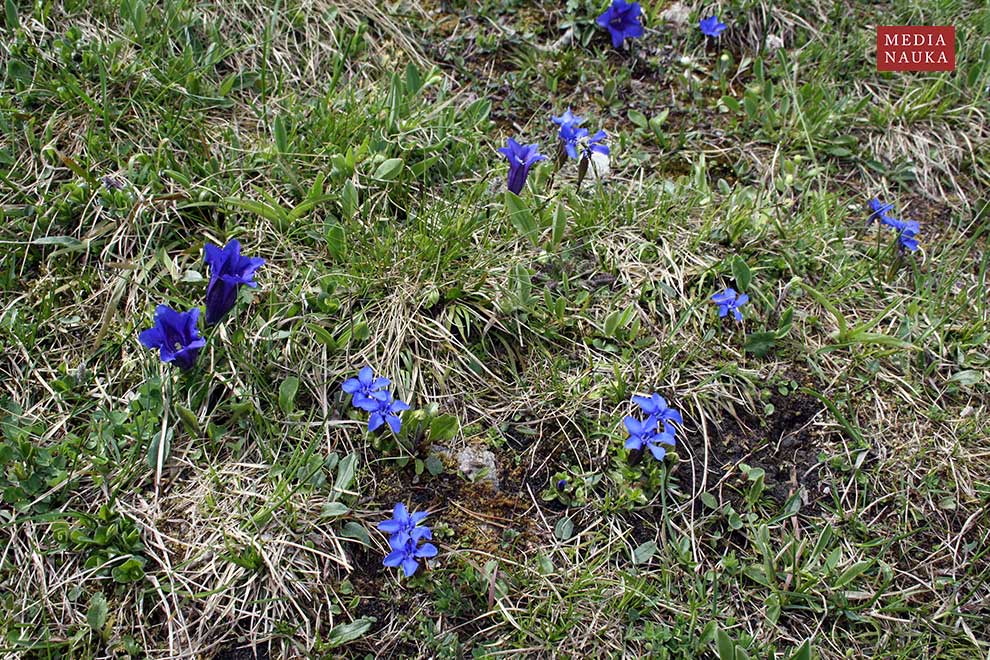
[916, 48]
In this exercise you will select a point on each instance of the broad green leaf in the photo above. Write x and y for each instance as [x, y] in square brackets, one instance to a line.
[638, 118]
[389, 169]
[803, 652]
[564, 528]
[741, 274]
[96, 613]
[356, 531]
[644, 552]
[287, 394]
[760, 343]
[559, 225]
[189, 419]
[348, 200]
[346, 469]
[521, 217]
[281, 135]
[443, 428]
[348, 632]
[726, 647]
[334, 509]
[13, 22]
[853, 572]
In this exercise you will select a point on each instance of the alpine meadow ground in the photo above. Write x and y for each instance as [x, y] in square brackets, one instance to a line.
[492, 328]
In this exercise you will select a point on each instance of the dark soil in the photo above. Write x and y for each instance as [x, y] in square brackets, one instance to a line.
[784, 444]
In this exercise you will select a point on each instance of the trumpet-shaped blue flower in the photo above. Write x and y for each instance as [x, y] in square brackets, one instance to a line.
[728, 301]
[907, 230]
[404, 525]
[228, 271]
[622, 20]
[656, 406]
[387, 412]
[406, 554]
[649, 433]
[521, 159]
[366, 390]
[175, 335]
[711, 26]
[879, 212]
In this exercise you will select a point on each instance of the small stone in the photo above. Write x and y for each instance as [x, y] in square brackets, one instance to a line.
[478, 465]
[677, 14]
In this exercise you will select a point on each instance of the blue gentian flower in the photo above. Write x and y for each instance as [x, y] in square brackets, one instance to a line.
[387, 411]
[622, 19]
[727, 301]
[879, 212]
[570, 134]
[595, 144]
[404, 526]
[366, 390]
[521, 159]
[711, 26]
[656, 406]
[649, 433]
[567, 119]
[405, 554]
[907, 230]
[228, 271]
[175, 335]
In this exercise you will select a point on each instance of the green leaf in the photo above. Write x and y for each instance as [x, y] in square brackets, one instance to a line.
[741, 274]
[356, 531]
[281, 136]
[389, 169]
[559, 225]
[443, 428]
[434, 465]
[521, 217]
[852, 573]
[726, 647]
[13, 23]
[348, 632]
[803, 652]
[345, 473]
[348, 200]
[275, 214]
[189, 419]
[166, 448]
[67, 242]
[967, 378]
[638, 118]
[564, 528]
[784, 326]
[760, 343]
[96, 613]
[287, 394]
[334, 509]
[644, 552]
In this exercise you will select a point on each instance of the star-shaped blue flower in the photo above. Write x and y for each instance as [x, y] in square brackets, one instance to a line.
[595, 144]
[656, 406]
[366, 390]
[622, 19]
[387, 412]
[728, 301]
[711, 26]
[649, 433]
[567, 119]
[175, 335]
[405, 554]
[404, 525]
[228, 271]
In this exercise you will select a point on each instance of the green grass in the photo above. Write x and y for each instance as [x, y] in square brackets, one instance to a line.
[831, 481]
